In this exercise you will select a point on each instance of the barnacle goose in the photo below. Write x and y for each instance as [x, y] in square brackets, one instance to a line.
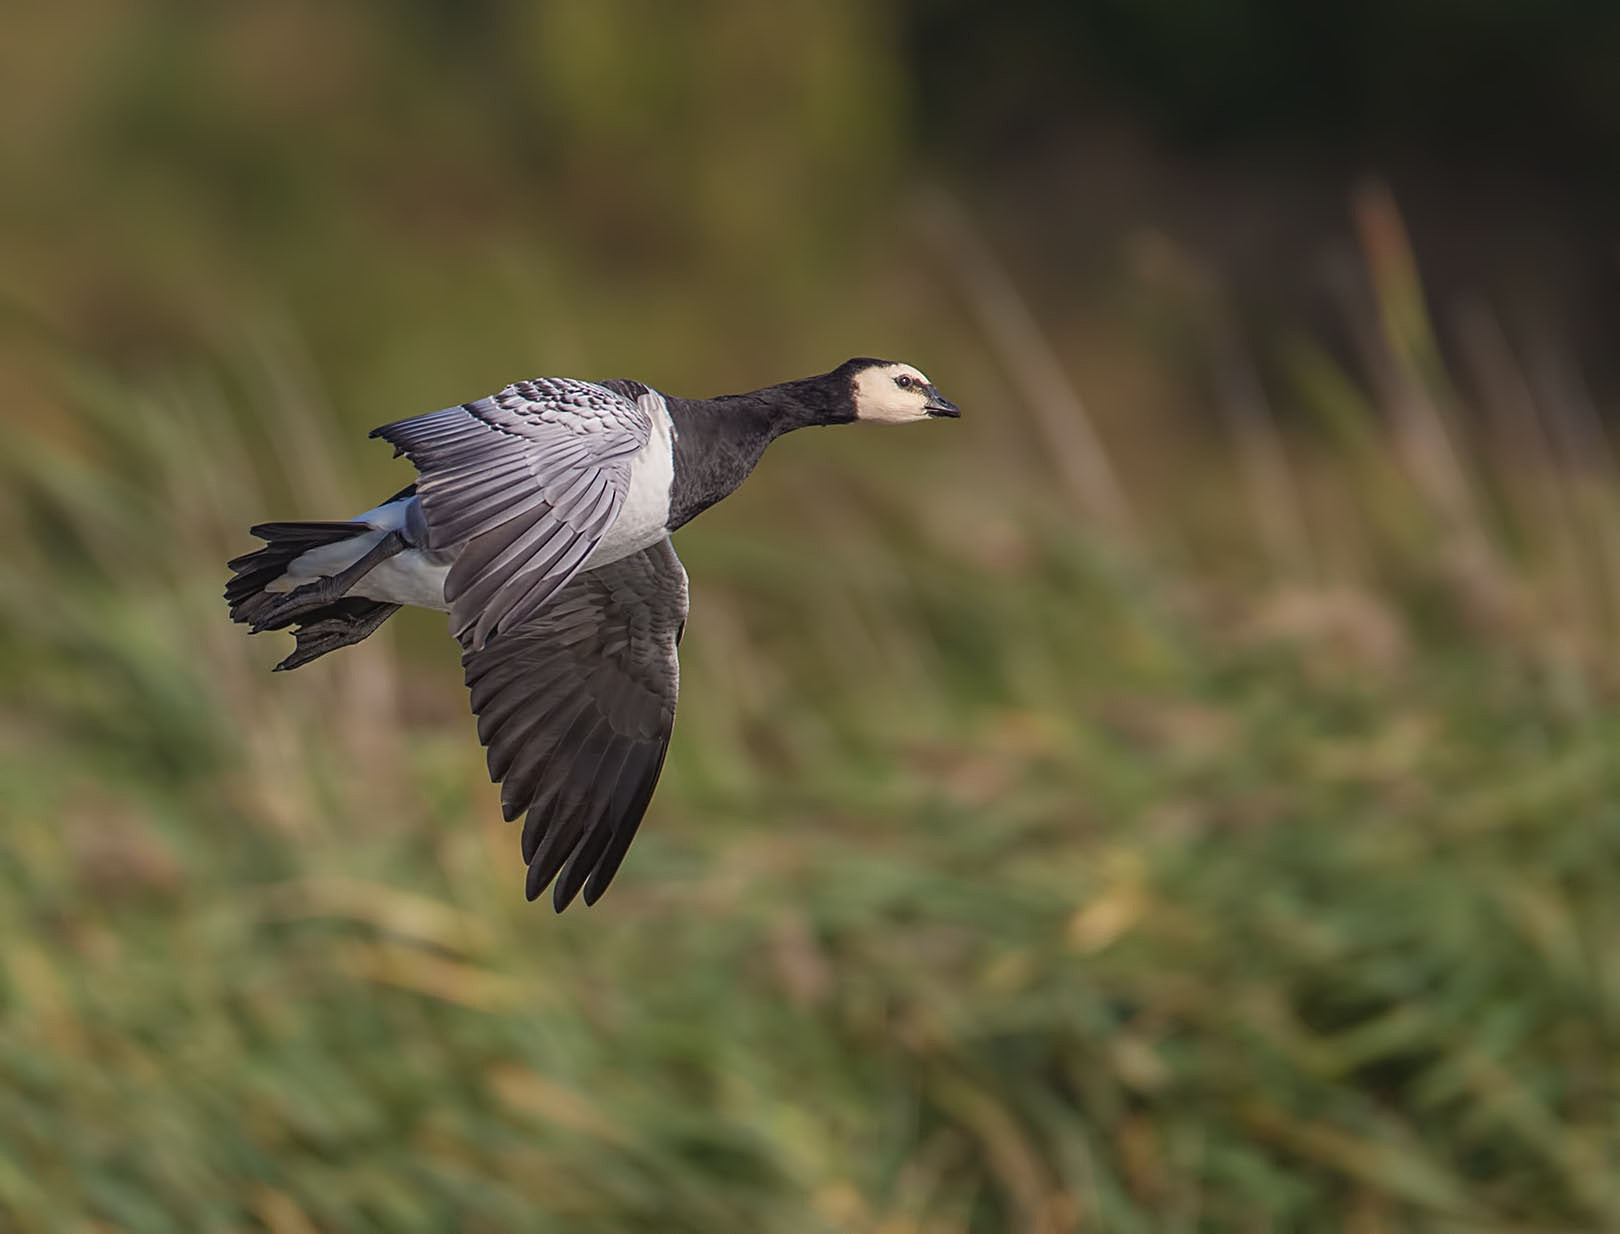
[540, 521]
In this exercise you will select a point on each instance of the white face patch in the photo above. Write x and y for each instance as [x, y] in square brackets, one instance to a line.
[891, 394]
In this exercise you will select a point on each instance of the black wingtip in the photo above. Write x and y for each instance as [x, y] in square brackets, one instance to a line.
[562, 895]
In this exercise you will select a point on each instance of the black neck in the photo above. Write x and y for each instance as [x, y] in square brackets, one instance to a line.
[719, 440]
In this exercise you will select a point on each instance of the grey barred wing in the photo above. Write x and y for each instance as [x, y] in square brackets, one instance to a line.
[527, 481]
[575, 707]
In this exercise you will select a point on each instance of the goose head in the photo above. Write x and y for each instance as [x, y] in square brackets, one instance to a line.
[889, 392]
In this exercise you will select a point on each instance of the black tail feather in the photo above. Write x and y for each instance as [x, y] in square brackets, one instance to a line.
[318, 629]
[246, 593]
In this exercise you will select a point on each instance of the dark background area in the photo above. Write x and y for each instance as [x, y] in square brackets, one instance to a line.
[1243, 125]
[1510, 85]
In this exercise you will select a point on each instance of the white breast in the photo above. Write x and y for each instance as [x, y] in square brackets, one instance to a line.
[644, 517]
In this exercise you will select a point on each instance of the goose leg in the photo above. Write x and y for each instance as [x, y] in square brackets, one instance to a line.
[324, 591]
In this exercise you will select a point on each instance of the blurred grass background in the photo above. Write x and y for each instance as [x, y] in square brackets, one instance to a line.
[1182, 795]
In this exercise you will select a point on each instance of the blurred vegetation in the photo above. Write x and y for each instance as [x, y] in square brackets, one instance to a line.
[1117, 813]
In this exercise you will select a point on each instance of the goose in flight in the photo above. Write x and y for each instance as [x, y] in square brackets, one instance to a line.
[540, 521]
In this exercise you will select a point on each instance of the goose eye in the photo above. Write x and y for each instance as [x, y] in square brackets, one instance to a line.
[903, 381]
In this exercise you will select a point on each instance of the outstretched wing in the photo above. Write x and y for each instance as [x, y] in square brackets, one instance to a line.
[576, 706]
[528, 480]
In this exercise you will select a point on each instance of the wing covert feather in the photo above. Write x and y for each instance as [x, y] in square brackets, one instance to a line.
[527, 481]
